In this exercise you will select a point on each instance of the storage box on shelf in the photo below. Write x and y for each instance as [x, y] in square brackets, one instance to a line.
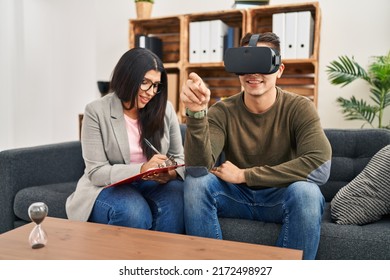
[168, 29]
[300, 75]
[232, 18]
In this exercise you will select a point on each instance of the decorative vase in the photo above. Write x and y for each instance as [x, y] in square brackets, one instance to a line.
[144, 9]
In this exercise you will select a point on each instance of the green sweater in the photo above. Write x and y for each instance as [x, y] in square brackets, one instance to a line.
[276, 148]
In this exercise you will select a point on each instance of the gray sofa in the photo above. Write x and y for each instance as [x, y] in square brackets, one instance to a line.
[49, 173]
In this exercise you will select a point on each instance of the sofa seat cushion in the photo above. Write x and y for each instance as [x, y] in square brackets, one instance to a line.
[54, 195]
[367, 197]
[354, 242]
[249, 231]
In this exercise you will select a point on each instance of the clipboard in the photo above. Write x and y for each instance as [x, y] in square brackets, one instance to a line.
[142, 175]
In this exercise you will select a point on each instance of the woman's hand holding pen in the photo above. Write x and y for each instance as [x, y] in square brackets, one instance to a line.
[155, 162]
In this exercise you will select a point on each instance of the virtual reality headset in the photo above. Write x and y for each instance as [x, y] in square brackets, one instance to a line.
[252, 59]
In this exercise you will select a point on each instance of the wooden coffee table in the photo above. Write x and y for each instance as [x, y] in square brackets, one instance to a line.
[71, 240]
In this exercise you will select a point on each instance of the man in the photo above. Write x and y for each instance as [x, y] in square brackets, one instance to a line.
[276, 157]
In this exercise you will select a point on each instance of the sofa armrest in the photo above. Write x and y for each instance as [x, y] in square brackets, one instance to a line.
[35, 166]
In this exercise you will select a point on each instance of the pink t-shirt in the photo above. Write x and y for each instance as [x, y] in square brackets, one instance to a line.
[133, 135]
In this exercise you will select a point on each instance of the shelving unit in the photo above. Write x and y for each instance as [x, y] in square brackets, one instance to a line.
[300, 75]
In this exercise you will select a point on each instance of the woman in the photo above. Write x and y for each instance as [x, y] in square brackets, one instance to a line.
[113, 133]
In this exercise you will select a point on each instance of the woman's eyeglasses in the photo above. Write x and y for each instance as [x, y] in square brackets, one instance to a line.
[147, 84]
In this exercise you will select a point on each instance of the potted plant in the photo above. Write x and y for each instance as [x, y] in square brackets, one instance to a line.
[144, 8]
[345, 70]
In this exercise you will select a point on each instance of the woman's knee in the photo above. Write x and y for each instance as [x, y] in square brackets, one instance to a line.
[175, 189]
[134, 213]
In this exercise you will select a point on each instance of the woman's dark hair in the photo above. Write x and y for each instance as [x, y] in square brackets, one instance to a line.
[269, 38]
[126, 79]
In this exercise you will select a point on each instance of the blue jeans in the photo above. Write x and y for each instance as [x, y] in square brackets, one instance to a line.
[145, 205]
[298, 208]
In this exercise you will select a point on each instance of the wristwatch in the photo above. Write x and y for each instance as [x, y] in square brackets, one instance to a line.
[196, 115]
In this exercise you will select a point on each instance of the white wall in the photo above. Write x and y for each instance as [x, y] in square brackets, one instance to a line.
[52, 52]
[49, 49]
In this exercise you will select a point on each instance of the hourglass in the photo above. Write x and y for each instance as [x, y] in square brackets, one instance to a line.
[37, 213]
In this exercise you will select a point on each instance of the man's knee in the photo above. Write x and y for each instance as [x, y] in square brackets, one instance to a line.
[197, 190]
[195, 187]
[307, 196]
[198, 183]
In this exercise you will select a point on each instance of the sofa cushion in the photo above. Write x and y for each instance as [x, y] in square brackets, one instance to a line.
[352, 149]
[250, 231]
[353, 242]
[367, 197]
[54, 195]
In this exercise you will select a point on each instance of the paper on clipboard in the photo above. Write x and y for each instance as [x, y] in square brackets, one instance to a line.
[142, 175]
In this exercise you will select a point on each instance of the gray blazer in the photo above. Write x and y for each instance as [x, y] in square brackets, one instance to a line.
[106, 152]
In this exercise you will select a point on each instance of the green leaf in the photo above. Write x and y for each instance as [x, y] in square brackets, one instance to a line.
[345, 71]
[354, 109]
[379, 72]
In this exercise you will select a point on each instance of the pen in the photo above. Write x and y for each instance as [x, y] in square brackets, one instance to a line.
[151, 146]
[169, 161]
